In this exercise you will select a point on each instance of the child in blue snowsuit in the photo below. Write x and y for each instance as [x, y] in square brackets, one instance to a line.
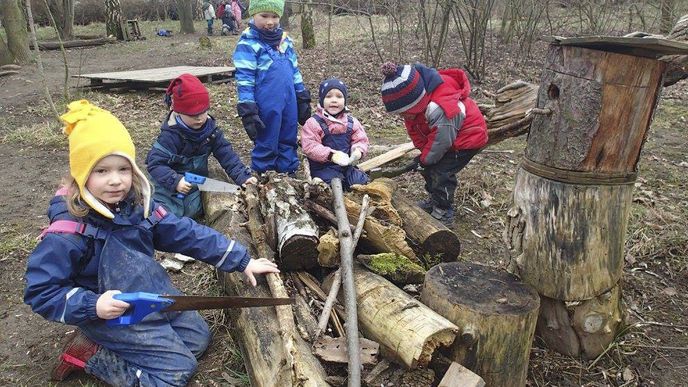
[271, 95]
[187, 138]
[101, 240]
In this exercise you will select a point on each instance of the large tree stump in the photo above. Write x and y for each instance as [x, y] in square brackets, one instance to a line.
[580, 329]
[296, 232]
[567, 240]
[267, 363]
[407, 330]
[496, 313]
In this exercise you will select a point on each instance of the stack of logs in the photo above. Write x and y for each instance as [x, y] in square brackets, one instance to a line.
[456, 327]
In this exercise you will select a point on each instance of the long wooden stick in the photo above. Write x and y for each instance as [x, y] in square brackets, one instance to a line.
[337, 279]
[347, 266]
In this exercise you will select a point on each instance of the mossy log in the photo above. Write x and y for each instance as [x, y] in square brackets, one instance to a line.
[396, 268]
[567, 240]
[496, 314]
[257, 331]
[580, 329]
[406, 330]
[296, 232]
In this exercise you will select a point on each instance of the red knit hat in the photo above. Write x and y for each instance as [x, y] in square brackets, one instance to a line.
[188, 95]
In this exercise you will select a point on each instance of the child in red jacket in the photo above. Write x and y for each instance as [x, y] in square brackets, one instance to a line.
[443, 123]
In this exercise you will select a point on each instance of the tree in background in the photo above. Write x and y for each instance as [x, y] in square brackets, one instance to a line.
[16, 48]
[114, 21]
[307, 31]
[185, 13]
[667, 9]
[63, 14]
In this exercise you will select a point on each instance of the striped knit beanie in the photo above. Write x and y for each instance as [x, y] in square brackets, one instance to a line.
[402, 89]
[258, 6]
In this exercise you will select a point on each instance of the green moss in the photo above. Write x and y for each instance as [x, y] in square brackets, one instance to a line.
[396, 268]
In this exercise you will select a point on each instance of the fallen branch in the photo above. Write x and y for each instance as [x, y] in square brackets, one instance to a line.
[334, 291]
[347, 266]
[73, 43]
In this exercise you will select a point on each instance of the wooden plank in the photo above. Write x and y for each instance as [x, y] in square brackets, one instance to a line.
[334, 350]
[460, 376]
[646, 47]
[386, 157]
[158, 75]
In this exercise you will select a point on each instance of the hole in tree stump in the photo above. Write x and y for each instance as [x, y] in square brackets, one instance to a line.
[553, 91]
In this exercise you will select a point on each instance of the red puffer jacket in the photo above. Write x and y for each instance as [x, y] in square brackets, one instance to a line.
[454, 88]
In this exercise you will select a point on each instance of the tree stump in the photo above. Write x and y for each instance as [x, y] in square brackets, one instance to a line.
[580, 329]
[496, 313]
[567, 240]
[406, 330]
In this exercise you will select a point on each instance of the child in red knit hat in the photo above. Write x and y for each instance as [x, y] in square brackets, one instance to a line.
[443, 123]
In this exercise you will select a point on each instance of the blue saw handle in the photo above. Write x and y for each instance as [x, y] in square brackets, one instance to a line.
[193, 179]
[141, 304]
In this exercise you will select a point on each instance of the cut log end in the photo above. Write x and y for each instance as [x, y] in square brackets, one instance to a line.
[442, 243]
[299, 252]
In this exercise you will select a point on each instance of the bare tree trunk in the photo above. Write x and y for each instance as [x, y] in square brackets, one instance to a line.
[6, 56]
[667, 8]
[307, 30]
[15, 27]
[185, 13]
[63, 13]
[114, 21]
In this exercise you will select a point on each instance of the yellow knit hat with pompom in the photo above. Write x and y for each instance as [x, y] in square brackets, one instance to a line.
[95, 133]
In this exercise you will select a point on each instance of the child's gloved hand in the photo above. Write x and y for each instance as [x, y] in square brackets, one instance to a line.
[340, 158]
[184, 186]
[356, 155]
[250, 180]
[250, 119]
[259, 266]
[303, 103]
[108, 308]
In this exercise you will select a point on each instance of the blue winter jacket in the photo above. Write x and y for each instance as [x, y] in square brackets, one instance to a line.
[62, 271]
[162, 169]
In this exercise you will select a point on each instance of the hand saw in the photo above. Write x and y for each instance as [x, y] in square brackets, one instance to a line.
[207, 184]
[143, 304]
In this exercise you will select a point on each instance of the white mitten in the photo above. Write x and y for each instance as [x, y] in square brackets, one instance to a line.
[340, 158]
[356, 155]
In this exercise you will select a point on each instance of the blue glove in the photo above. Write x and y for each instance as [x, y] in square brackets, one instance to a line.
[250, 118]
[303, 103]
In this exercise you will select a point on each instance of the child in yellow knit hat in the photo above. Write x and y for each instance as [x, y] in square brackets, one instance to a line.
[104, 229]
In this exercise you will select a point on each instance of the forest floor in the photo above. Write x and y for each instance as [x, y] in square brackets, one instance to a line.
[652, 351]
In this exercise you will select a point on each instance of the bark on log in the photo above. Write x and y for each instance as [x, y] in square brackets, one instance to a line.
[296, 232]
[495, 308]
[567, 240]
[582, 329]
[74, 43]
[602, 105]
[266, 364]
[407, 330]
[429, 234]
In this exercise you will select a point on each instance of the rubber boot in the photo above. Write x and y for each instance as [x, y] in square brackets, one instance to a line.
[74, 356]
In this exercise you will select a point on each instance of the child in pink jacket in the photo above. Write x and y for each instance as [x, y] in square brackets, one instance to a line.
[332, 139]
[236, 11]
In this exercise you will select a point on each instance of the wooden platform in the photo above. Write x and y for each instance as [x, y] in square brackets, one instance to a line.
[152, 78]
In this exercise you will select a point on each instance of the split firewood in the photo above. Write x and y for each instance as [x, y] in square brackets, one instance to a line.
[296, 232]
[398, 269]
[346, 250]
[269, 361]
[334, 350]
[407, 330]
[328, 249]
[460, 376]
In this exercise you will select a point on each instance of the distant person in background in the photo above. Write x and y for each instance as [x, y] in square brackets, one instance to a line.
[237, 13]
[443, 122]
[332, 139]
[219, 13]
[272, 98]
[209, 15]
